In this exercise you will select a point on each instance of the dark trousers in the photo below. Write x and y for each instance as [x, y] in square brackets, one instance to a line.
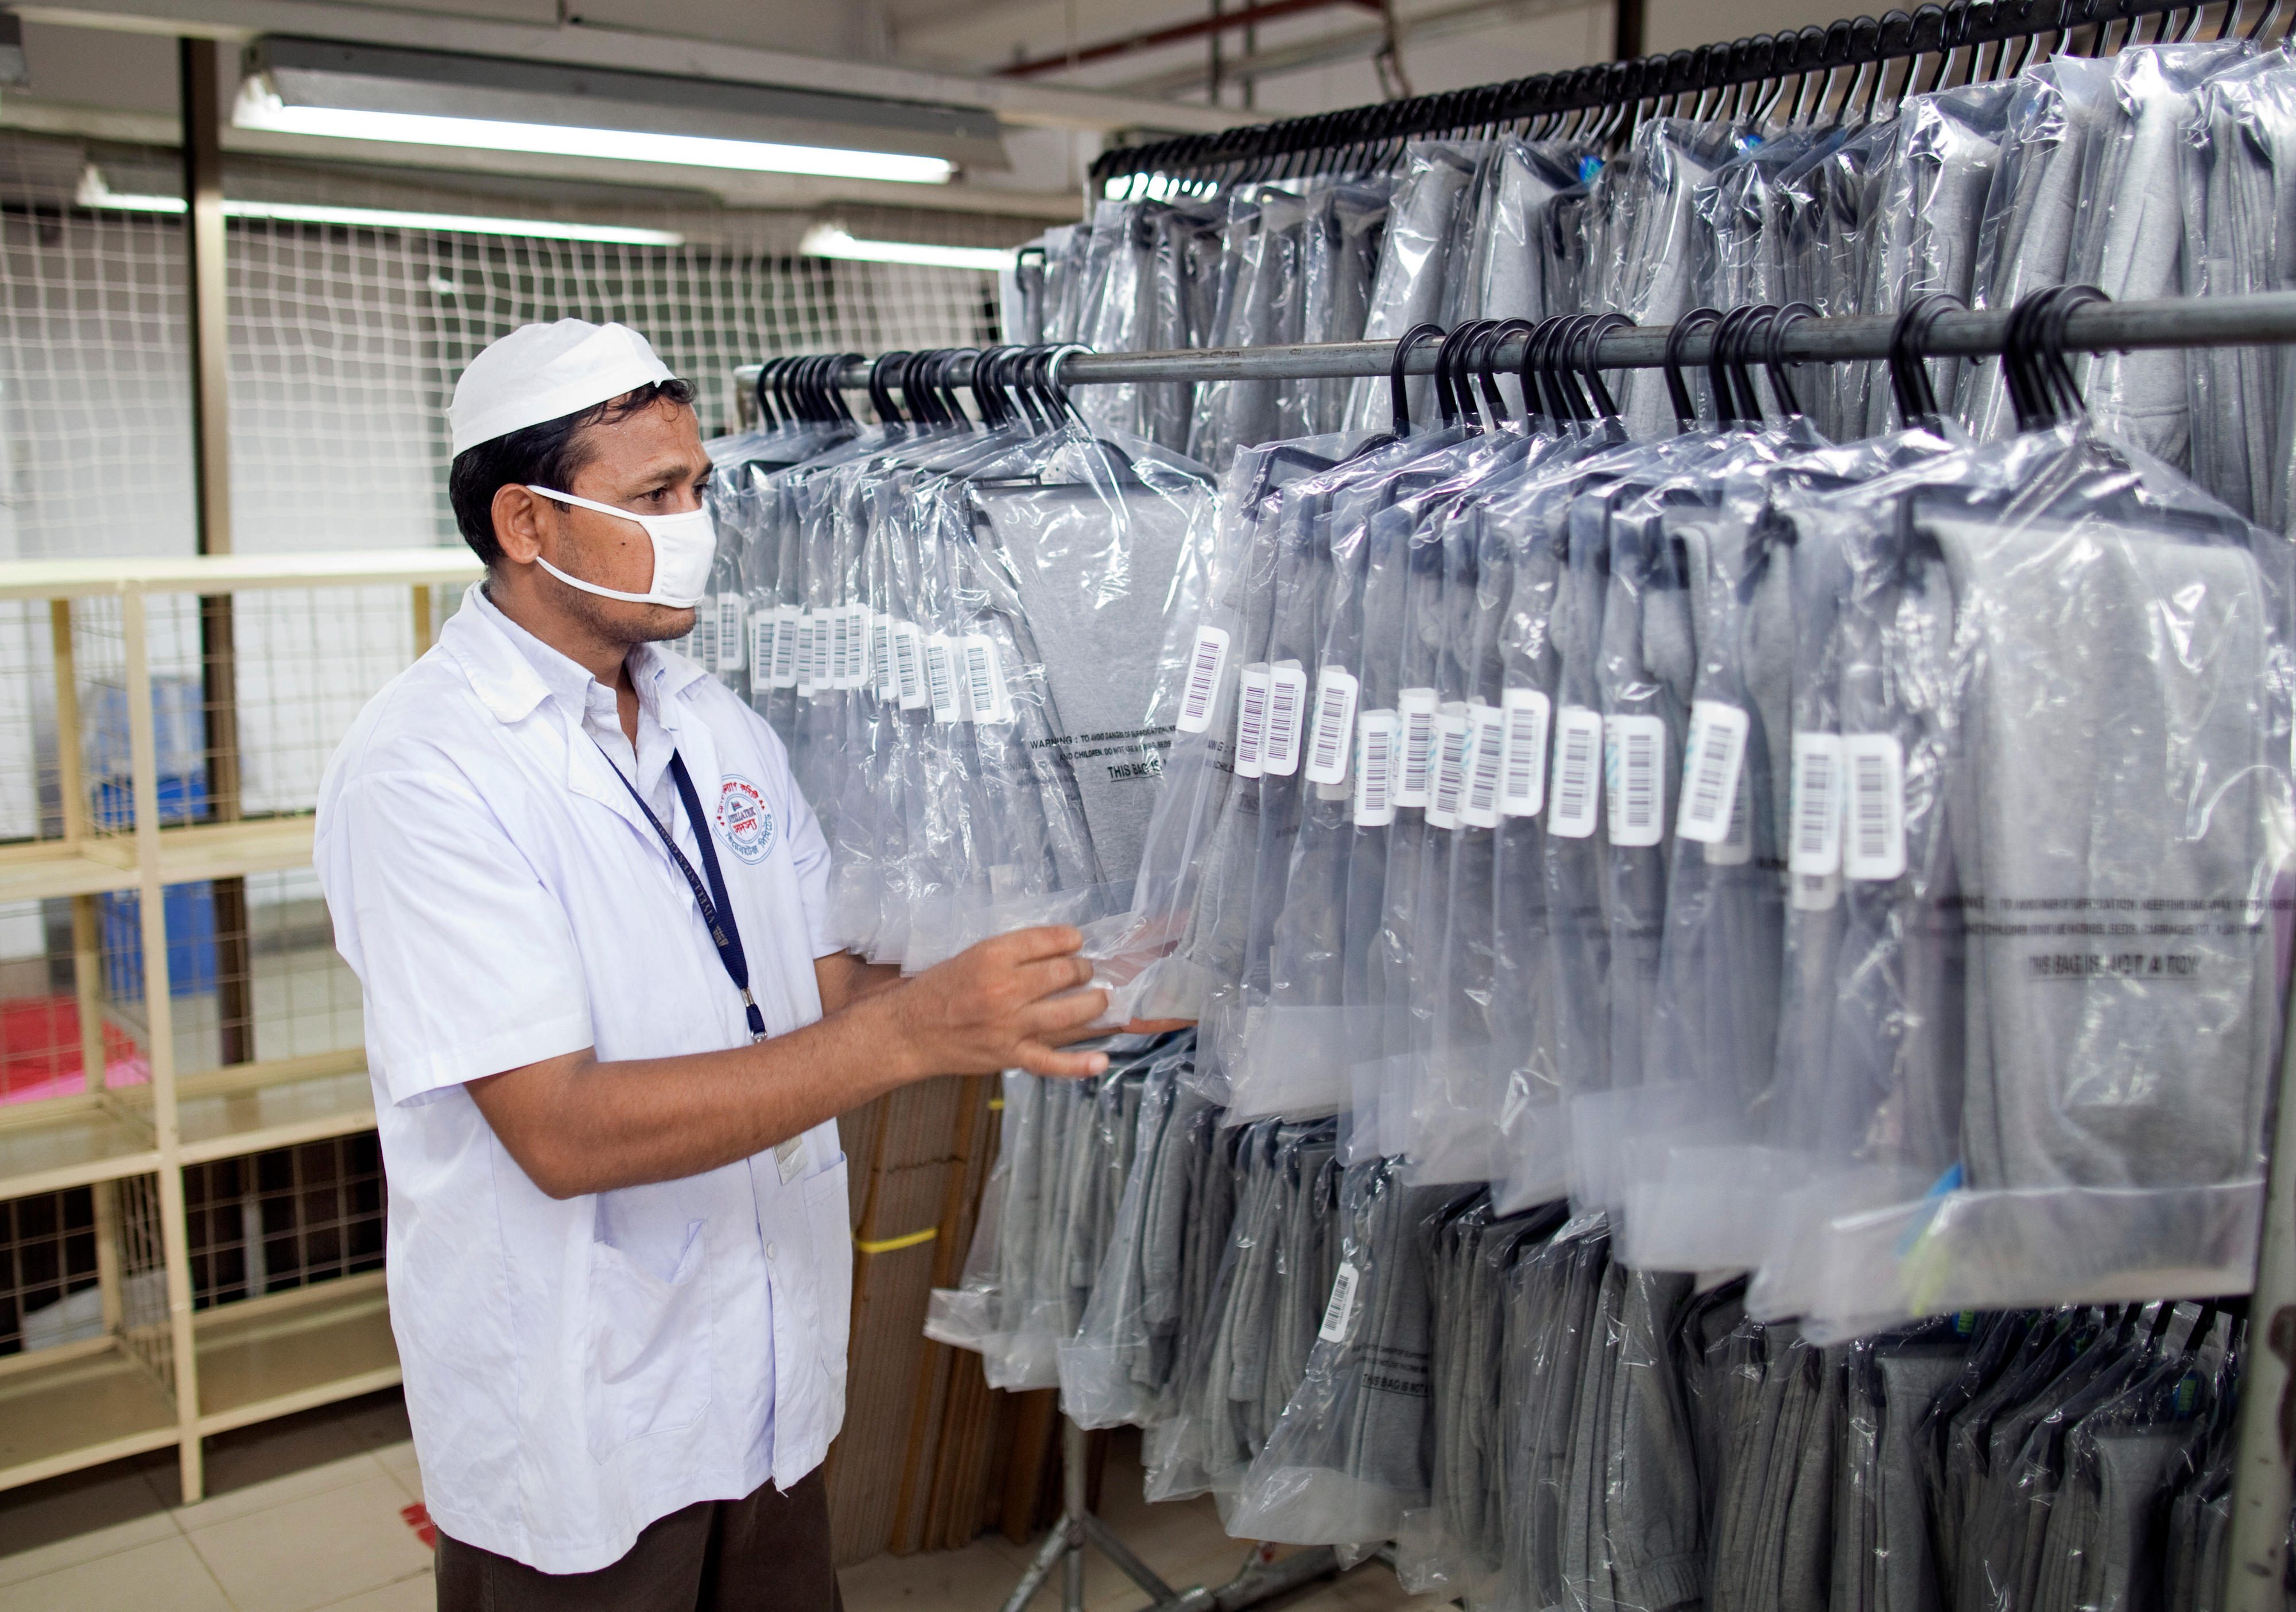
[767, 1553]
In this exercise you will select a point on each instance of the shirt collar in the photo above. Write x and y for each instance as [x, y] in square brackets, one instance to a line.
[512, 671]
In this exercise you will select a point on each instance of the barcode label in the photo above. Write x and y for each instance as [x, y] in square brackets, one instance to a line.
[1454, 738]
[1522, 781]
[984, 680]
[1287, 710]
[1335, 720]
[806, 627]
[1876, 846]
[731, 638]
[762, 627]
[1340, 1310]
[1488, 768]
[840, 647]
[941, 677]
[1254, 689]
[1633, 767]
[856, 668]
[1815, 809]
[1578, 772]
[1376, 734]
[824, 640]
[880, 637]
[909, 664]
[705, 634]
[1713, 759]
[1206, 662]
[785, 646]
[1416, 707]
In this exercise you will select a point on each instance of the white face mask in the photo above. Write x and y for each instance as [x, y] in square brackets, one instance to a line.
[685, 546]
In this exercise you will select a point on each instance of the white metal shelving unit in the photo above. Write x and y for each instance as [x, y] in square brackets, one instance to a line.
[166, 1375]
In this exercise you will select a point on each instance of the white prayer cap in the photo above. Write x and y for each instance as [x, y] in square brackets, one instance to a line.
[541, 372]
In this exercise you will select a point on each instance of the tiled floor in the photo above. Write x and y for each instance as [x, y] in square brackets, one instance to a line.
[308, 1513]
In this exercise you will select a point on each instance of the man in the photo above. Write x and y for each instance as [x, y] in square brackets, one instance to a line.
[607, 1034]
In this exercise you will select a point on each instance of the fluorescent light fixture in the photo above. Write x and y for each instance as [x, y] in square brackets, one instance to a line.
[365, 92]
[93, 192]
[831, 240]
[258, 109]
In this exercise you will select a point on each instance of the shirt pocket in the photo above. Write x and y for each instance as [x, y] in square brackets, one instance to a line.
[648, 1341]
[829, 1221]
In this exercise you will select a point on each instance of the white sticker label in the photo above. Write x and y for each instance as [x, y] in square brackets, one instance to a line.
[1376, 736]
[1876, 848]
[1578, 772]
[763, 628]
[704, 636]
[984, 680]
[909, 664]
[1816, 892]
[841, 647]
[825, 642]
[1815, 809]
[941, 677]
[806, 625]
[1254, 689]
[1634, 769]
[1287, 710]
[1341, 1312]
[1416, 786]
[1522, 782]
[864, 649]
[880, 640]
[1454, 742]
[1335, 721]
[1713, 760]
[732, 637]
[1486, 769]
[786, 633]
[1206, 663]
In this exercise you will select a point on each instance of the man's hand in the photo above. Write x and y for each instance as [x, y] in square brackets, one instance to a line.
[1007, 1003]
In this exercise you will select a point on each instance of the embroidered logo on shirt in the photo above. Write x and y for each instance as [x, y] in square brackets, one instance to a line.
[744, 819]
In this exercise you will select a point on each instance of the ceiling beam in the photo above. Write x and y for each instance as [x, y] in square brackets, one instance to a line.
[1471, 17]
[1220, 22]
[1025, 106]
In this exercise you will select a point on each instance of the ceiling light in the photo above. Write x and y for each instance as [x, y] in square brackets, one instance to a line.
[830, 241]
[309, 86]
[93, 192]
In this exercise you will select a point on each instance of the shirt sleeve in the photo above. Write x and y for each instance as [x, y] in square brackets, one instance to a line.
[468, 961]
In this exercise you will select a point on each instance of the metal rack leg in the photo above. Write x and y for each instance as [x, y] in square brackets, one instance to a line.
[1077, 1527]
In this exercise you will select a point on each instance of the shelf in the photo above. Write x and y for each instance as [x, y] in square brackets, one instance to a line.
[78, 1410]
[71, 1141]
[41, 869]
[46, 868]
[288, 1352]
[280, 1112]
[234, 573]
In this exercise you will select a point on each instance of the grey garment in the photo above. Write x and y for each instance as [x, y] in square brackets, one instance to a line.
[1093, 568]
[2152, 795]
[1416, 257]
[1346, 227]
[2132, 245]
[1268, 308]
[1552, 1342]
[2062, 109]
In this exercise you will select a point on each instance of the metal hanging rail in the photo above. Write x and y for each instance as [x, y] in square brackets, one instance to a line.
[2261, 319]
[1850, 44]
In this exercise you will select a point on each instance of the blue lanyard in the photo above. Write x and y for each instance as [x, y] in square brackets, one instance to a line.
[716, 911]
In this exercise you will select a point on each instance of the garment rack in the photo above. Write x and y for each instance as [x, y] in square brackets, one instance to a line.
[2257, 1554]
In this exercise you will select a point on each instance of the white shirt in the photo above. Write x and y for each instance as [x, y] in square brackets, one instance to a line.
[576, 1370]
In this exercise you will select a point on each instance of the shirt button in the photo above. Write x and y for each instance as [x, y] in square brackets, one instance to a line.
[772, 1252]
